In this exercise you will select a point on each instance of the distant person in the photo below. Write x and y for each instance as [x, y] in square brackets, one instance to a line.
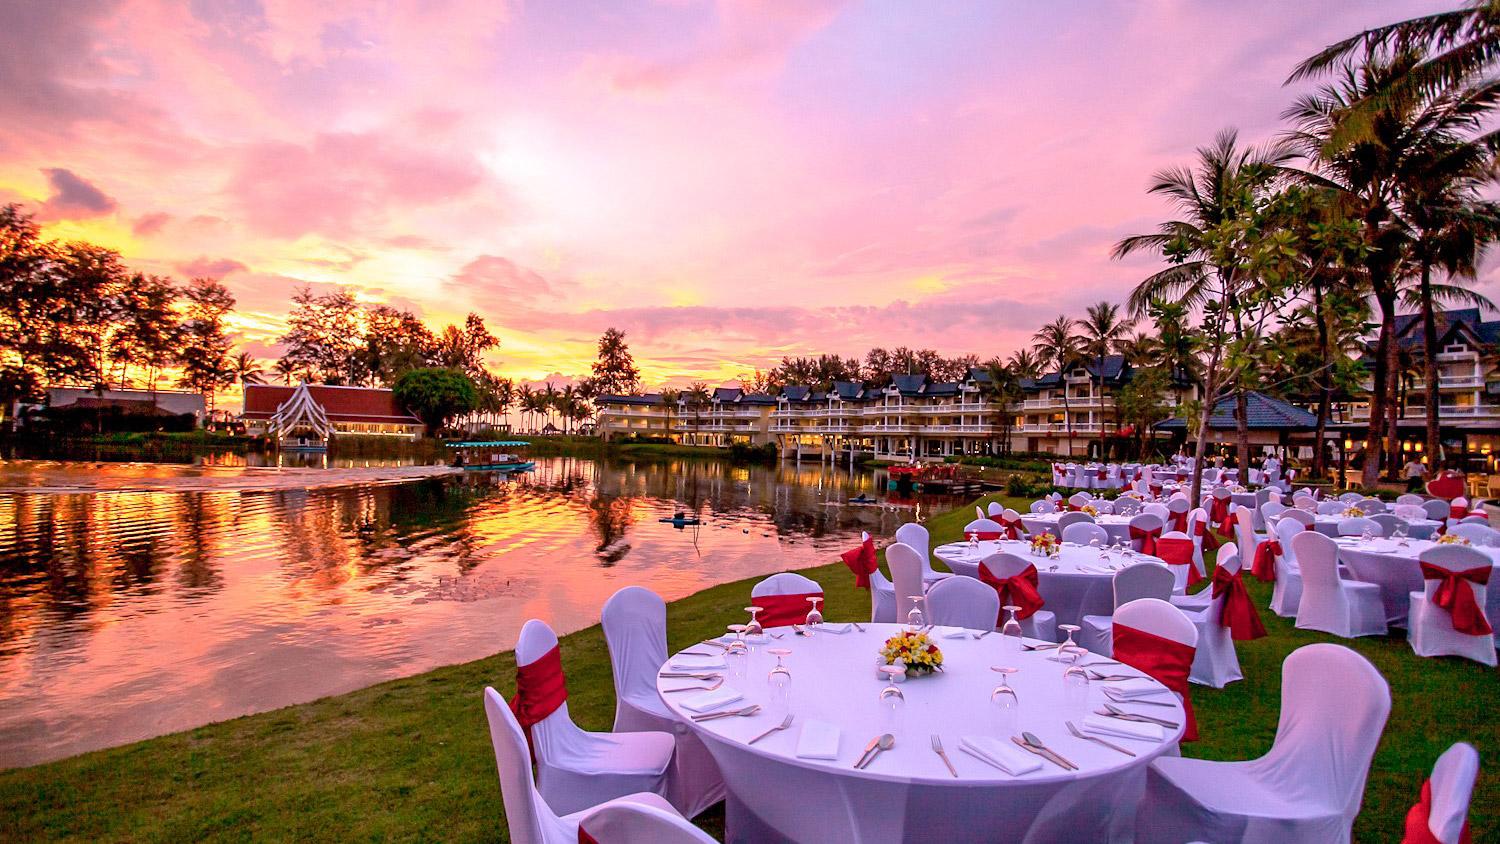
[1415, 472]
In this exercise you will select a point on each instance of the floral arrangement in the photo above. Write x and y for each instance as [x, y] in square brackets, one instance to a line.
[1239, 489]
[915, 651]
[1090, 509]
[1045, 544]
[1353, 513]
[1452, 539]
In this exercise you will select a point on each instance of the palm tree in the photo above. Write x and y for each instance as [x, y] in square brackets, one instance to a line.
[505, 396]
[246, 369]
[1023, 364]
[567, 406]
[547, 402]
[1103, 333]
[526, 403]
[287, 369]
[1057, 345]
[1004, 388]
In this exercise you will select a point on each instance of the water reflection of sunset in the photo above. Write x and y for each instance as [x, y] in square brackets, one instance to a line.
[132, 613]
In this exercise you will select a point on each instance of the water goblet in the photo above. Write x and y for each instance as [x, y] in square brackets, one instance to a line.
[1010, 632]
[1005, 707]
[736, 654]
[1098, 549]
[892, 699]
[1076, 690]
[814, 618]
[754, 628]
[1366, 535]
[973, 542]
[780, 675]
[915, 619]
[1070, 629]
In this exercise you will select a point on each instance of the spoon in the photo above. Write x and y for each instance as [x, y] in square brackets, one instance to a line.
[887, 741]
[786, 722]
[1031, 739]
[732, 713]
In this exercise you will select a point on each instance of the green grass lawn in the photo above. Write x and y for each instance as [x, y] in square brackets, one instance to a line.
[410, 759]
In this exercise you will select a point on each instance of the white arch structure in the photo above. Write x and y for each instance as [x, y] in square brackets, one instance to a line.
[300, 410]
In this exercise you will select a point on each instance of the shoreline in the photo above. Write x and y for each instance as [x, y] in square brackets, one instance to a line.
[72, 477]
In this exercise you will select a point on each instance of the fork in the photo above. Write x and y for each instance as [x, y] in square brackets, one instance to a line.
[686, 675]
[937, 747]
[695, 688]
[1096, 740]
[1115, 696]
[786, 722]
[1130, 716]
[731, 713]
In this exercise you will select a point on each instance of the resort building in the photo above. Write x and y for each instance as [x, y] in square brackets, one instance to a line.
[729, 416]
[146, 402]
[647, 415]
[309, 413]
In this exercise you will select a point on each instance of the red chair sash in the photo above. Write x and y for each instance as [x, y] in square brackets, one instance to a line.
[1264, 566]
[1226, 526]
[1210, 541]
[1218, 510]
[1457, 511]
[1145, 539]
[985, 534]
[1456, 595]
[783, 610]
[1178, 520]
[1103, 473]
[1179, 552]
[1237, 612]
[1019, 590]
[1168, 662]
[540, 689]
[584, 837]
[1418, 822]
[1013, 529]
[862, 562]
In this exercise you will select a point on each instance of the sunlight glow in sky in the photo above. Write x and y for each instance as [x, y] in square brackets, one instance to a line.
[727, 182]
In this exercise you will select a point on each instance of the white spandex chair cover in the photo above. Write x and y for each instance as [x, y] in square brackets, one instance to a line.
[790, 583]
[985, 525]
[882, 593]
[1331, 508]
[1197, 524]
[1149, 522]
[1157, 509]
[963, 602]
[906, 573]
[1215, 663]
[529, 818]
[1132, 583]
[1474, 519]
[1329, 603]
[1409, 498]
[994, 509]
[1011, 516]
[1437, 509]
[1307, 789]
[1244, 534]
[1043, 506]
[1298, 515]
[1371, 505]
[1475, 533]
[1409, 511]
[1350, 498]
[635, 631]
[1078, 499]
[1043, 623]
[1127, 506]
[979, 512]
[1227, 553]
[1287, 592]
[1430, 627]
[628, 823]
[1357, 527]
[1388, 523]
[917, 537]
[579, 769]
[1072, 518]
[1270, 512]
[1452, 786]
[1083, 532]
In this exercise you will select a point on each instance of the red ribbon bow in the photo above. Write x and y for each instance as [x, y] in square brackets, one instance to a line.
[1166, 661]
[1264, 565]
[1210, 541]
[1457, 597]
[984, 534]
[1103, 473]
[862, 562]
[783, 610]
[540, 689]
[1419, 820]
[1179, 552]
[1146, 537]
[1013, 528]
[1218, 513]
[1179, 520]
[1019, 590]
[1457, 511]
[1237, 612]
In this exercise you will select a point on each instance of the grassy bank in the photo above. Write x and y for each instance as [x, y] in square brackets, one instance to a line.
[410, 759]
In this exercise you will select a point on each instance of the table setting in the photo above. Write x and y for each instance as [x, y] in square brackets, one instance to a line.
[1117, 526]
[886, 732]
[1392, 564]
[1328, 525]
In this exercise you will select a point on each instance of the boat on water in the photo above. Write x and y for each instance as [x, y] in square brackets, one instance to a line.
[488, 456]
[681, 519]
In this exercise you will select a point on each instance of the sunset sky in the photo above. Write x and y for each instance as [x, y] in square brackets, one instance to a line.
[727, 182]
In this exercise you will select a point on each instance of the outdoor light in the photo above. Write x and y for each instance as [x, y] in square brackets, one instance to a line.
[1348, 444]
[1419, 448]
[1406, 445]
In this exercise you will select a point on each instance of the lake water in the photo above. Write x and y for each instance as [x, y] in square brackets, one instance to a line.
[129, 614]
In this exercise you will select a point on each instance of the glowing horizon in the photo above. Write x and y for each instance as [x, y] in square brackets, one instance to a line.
[726, 182]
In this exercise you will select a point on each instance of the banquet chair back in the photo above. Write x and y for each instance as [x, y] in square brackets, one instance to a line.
[1388, 523]
[526, 814]
[1298, 515]
[1372, 505]
[1286, 531]
[1009, 518]
[1305, 502]
[1287, 592]
[1177, 510]
[1127, 505]
[1434, 630]
[1350, 497]
[979, 512]
[1408, 498]
[1072, 519]
[1182, 557]
[986, 528]
[1271, 511]
[625, 822]
[1451, 787]
[963, 602]
[1357, 527]
[1409, 512]
[1475, 519]
[1041, 624]
[1157, 509]
[1145, 529]
[635, 631]
[1328, 603]
[1437, 509]
[1082, 533]
[882, 593]
[918, 539]
[1228, 558]
[906, 573]
[1157, 618]
[1143, 580]
[782, 597]
[994, 509]
[1476, 534]
[1043, 506]
[1078, 499]
[1244, 532]
[1332, 508]
[1103, 506]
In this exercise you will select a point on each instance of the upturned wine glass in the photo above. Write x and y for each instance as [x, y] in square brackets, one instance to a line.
[1075, 690]
[814, 617]
[915, 619]
[754, 628]
[1004, 705]
[1010, 632]
[892, 699]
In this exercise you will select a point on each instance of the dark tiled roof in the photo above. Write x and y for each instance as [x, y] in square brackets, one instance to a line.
[758, 399]
[342, 404]
[641, 400]
[848, 390]
[979, 374]
[726, 394]
[795, 392]
[1463, 324]
[1263, 413]
[909, 385]
[942, 388]
[1116, 372]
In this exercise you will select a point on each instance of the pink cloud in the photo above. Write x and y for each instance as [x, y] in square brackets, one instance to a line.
[210, 267]
[149, 224]
[74, 197]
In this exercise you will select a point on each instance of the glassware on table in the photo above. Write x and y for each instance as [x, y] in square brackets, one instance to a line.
[1075, 691]
[1097, 548]
[973, 542]
[754, 628]
[1070, 629]
[1400, 533]
[1010, 632]
[814, 618]
[780, 675]
[1366, 535]
[736, 654]
[1005, 707]
[892, 699]
[915, 618]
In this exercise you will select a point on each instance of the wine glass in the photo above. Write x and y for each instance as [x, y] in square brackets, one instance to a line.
[1010, 632]
[915, 619]
[973, 542]
[736, 654]
[754, 628]
[814, 618]
[780, 674]
[1366, 534]
[1005, 707]
[1076, 690]
[1400, 533]
[892, 699]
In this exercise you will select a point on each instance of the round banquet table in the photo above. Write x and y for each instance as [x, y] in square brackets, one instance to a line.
[1417, 528]
[907, 793]
[1080, 584]
[1118, 527]
[1392, 565]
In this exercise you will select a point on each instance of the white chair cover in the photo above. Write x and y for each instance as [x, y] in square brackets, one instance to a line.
[882, 593]
[985, 525]
[1437, 509]
[1388, 523]
[979, 512]
[529, 818]
[629, 822]
[1287, 592]
[1043, 623]
[1078, 499]
[1409, 498]
[1244, 534]
[1073, 518]
[1329, 603]
[1371, 505]
[1200, 600]
[1043, 506]
[1298, 515]
[1159, 510]
[1146, 522]
[1127, 506]
[1474, 519]
[906, 573]
[1452, 786]
[1009, 515]
[963, 602]
[1198, 516]
[1270, 512]
[917, 537]
[1350, 498]
[994, 509]
[1083, 532]
[1215, 663]
[1409, 511]
[1357, 527]
[1430, 627]
[1307, 789]
[1477, 534]
[635, 631]
[1331, 508]
[1132, 583]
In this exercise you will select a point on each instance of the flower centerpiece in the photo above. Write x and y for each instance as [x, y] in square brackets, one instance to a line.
[1238, 489]
[1045, 544]
[1090, 509]
[914, 650]
[1452, 539]
[1353, 513]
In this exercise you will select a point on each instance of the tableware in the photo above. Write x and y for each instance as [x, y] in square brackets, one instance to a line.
[1115, 727]
[868, 748]
[1029, 749]
[780, 675]
[715, 642]
[733, 713]
[785, 722]
[697, 663]
[858, 626]
[1116, 712]
[1010, 632]
[1094, 675]
[887, 741]
[1075, 681]
[998, 754]
[915, 619]
[1073, 728]
[690, 675]
[1118, 698]
[754, 628]
[707, 702]
[937, 747]
[1070, 629]
[983, 633]
[1031, 739]
[1005, 706]
[814, 617]
[716, 684]
[818, 740]
[800, 630]
[892, 699]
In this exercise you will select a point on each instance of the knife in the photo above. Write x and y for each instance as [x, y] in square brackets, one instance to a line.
[869, 747]
[1029, 749]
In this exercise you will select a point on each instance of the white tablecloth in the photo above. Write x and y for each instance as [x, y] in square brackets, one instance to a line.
[907, 794]
[1118, 527]
[1394, 568]
[1416, 528]
[1081, 584]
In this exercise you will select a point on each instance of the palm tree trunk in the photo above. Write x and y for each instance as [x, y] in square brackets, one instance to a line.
[1099, 398]
[1430, 367]
[1393, 409]
[1325, 384]
[1242, 434]
[1380, 388]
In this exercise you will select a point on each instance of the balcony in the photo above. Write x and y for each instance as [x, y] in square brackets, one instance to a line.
[1448, 382]
[1446, 411]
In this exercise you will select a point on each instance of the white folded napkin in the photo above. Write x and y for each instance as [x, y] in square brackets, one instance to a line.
[1137, 687]
[952, 632]
[711, 700]
[819, 740]
[1001, 754]
[838, 629]
[1105, 726]
[689, 662]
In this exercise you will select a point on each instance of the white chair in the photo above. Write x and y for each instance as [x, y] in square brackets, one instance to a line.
[1307, 789]
[1073, 518]
[1142, 580]
[1270, 512]
[1430, 628]
[1409, 498]
[1082, 533]
[1216, 662]
[917, 537]
[1200, 600]
[1168, 547]
[1244, 533]
[979, 512]
[1350, 498]
[1287, 592]
[1042, 624]
[628, 822]
[1157, 509]
[1300, 516]
[1010, 518]
[963, 602]
[1199, 527]
[527, 814]
[1474, 519]
[1476, 534]
[577, 769]
[1358, 527]
[782, 597]
[1043, 506]
[1104, 507]
[1078, 499]
[1149, 526]
[1305, 502]
[1331, 508]
[994, 509]
[1389, 523]
[635, 631]
[1451, 786]
[1127, 506]
[1409, 512]
[1437, 509]
[1371, 505]
[906, 573]
[882, 593]
[986, 528]
[1163, 620]
[1345, 608]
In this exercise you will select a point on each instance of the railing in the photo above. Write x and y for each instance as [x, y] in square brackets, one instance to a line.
[1445, 381]
[1446, 411]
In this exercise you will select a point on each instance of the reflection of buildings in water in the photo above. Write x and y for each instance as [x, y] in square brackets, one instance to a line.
[611, 517]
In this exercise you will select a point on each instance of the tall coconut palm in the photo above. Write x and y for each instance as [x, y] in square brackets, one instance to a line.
[1023, 364]
[1003, 388]
[526, 403]
[287, 369]
[1056, 346]
[246, 369]
[1104, 331]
